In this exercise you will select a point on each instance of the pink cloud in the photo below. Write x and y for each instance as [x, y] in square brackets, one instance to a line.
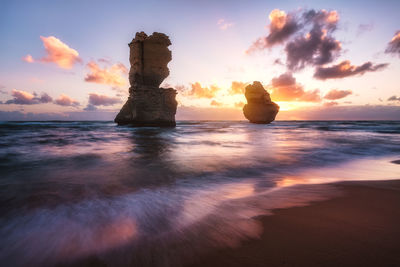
[24, 98]
[223, 24]
[111, 76]
[65, 100]
[28, 58]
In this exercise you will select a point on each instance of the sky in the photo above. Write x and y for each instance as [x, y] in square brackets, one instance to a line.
[318, 59]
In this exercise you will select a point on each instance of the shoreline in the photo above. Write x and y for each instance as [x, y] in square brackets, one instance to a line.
[360, 227]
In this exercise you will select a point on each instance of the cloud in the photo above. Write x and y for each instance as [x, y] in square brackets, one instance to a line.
[24, 98]
[110, 76]
[102, 100]
[331, 104]
[315, 48]
[65, 100]
[56, 52]
[285, 88]
[239, 104]
[393, 98]
[90, 107]
[335, 94]
[216, 103]
[44, 98]
[362, 28]
[237, 88]
[203, 92]
[281, 27]
[223, 24]
[28, 58]
[394, 45]
[345, 69]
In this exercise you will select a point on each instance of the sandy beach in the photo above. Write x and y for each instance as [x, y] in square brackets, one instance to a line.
[358, 228]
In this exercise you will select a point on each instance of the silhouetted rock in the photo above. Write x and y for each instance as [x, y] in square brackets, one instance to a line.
[259, 107]
[147, 103]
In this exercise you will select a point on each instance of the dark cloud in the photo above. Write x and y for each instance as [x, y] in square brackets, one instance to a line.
[285, 79]
[285, 88]
[45, 98]
[316, 48]
[394, 45]
[282, 26]
[335, 94]
[345, 69]
[90, 107]
[102, 100]
[24, 98]
[393, 98]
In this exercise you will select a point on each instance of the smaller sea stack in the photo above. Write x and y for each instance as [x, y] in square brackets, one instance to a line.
[259, 107]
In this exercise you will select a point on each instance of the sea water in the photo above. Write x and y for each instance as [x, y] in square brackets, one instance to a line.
[99, 194]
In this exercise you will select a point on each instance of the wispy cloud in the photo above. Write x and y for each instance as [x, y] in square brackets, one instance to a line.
[224, 25]
[335, 94]
[345, 69]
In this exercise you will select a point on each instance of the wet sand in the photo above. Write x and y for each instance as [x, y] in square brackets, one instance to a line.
[361, 227]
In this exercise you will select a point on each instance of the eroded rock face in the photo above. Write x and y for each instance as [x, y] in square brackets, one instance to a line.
[259, 107]
[147, 103]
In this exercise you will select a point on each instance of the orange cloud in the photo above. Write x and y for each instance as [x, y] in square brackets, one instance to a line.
[110, 76]
[203, 92]
[239, 104]
[216, 103]
[337, 94]
[285, 88]
[65, 100]
[59, 53]
[237, 88]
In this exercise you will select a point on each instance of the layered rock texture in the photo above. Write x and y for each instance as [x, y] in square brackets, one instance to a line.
[148, 104]
[259, 107]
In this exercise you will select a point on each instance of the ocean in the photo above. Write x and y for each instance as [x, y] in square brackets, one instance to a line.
[97, 194]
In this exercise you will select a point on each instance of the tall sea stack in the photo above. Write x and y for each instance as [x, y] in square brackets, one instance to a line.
[259, 107]
[148, 104]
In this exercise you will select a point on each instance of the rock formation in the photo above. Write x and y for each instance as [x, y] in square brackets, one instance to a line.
[259, 107]
[147, 104]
